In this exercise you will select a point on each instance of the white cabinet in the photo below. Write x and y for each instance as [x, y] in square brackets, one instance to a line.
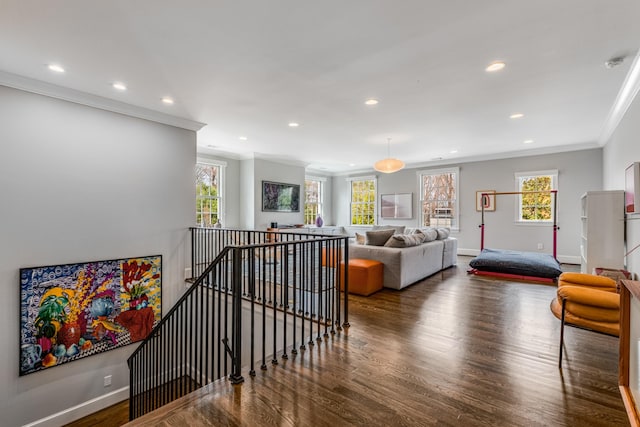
[602, 234]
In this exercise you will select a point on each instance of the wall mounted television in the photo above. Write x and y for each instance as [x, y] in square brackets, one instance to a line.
[632, 188]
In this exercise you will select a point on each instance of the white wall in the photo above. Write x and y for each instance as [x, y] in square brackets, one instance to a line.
[579, 171]
[622, 149]
[81, 184]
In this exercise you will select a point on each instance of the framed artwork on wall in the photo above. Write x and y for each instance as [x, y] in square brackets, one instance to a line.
[280, 197]
[72, 311]
[486, 198]
[396, 206]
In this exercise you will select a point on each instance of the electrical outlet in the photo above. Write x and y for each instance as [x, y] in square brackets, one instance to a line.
[107, 381]
[540, 246]
[187, 273]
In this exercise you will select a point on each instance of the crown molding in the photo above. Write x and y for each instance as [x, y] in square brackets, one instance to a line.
[487, 157]
[66, 94]
[623, 101]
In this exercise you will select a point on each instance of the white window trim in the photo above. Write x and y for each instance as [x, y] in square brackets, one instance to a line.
[222, 182]
[439, 171]
[518, 206]
[323, 181]
[373, 178]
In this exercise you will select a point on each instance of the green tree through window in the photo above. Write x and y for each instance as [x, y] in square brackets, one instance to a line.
[207, 194]
[538, 204]
[363, 202]
[312, 200]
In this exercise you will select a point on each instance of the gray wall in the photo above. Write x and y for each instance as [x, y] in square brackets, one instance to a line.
[82, 184]
[622, 149]
[255, 171]
[247, 200]
[578, 172]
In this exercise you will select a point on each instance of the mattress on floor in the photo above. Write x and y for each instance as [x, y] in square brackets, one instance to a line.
[516, 262]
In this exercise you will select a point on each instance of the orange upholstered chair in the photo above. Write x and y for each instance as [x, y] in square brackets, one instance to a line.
[587, 301]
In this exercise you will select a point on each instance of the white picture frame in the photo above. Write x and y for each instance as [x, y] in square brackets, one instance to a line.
[396, 206]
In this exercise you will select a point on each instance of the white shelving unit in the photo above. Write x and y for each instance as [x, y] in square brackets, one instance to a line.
[602, 234]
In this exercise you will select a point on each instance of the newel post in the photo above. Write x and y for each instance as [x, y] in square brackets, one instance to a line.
[236, 313]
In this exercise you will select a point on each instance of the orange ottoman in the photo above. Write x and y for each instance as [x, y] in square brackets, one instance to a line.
[329, 260]
[365, 276]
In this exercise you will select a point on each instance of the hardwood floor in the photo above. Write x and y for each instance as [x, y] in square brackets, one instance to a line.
[454, 350]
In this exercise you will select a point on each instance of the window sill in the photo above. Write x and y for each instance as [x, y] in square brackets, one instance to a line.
[534, 223]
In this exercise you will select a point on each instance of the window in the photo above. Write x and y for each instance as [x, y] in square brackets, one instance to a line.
[363, 200]
[536, 207]
[313, 197]
[209, 194]
[439, 198]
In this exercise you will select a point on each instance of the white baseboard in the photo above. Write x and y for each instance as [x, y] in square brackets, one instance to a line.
[568, 259]
[468, 252]
[83, 409]
[564, 259]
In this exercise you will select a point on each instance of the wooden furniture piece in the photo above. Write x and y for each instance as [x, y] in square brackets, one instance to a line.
[629, 359]
[272, 234]
[602, 235]
[365, 276]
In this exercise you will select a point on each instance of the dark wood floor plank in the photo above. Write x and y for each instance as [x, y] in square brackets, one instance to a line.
[452, 350]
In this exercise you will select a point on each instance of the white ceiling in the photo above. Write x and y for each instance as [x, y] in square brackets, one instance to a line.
[248, 68]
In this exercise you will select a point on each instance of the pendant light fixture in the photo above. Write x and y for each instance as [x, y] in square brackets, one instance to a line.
[388, 165]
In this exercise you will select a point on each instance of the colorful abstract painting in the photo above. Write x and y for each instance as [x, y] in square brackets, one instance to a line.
[72, 311]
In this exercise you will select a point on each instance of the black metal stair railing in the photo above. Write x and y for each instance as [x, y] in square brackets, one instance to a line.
[253, 303]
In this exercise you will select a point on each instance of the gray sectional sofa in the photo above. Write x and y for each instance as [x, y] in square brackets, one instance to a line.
[407, 265]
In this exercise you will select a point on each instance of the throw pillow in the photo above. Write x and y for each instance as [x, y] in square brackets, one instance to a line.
[360, 239]
[617, 275]
[418, 233]
[399, 229]
[378, 237]
[404, 241]
[443, 233]
[430, 234]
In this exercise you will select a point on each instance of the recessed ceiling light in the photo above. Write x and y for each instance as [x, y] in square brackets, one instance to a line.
[352, 164]
[242, 138]
[167, 100]
[293, 125]
[495, 66]
[55, 67]
[516, 116]
[371, 101]
[119, 86]
[527, 141]
[453, 151]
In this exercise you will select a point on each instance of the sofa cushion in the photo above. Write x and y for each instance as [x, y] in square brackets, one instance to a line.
[398, 229]
[360, 238]
[405, 240]
[443, 233]
[378, 237]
